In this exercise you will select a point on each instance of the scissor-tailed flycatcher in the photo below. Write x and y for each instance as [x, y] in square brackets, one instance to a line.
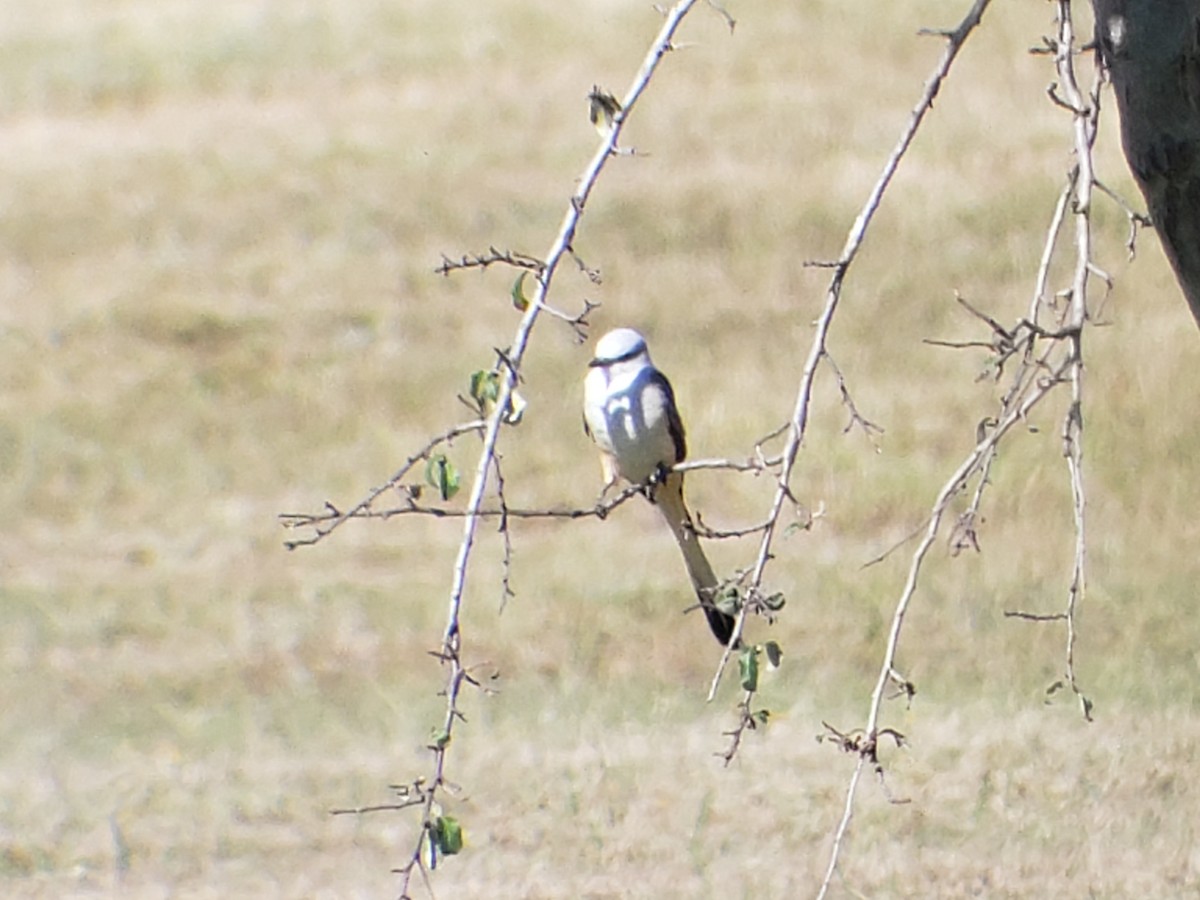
[629, 411]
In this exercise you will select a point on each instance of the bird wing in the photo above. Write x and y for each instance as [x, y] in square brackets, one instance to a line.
[674, 424]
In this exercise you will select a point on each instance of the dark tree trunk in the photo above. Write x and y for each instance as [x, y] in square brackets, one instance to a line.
[1152, 49]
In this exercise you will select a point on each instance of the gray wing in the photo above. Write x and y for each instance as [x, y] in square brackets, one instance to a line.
[674, 423]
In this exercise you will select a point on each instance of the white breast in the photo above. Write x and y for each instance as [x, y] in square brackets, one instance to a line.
[626, 412]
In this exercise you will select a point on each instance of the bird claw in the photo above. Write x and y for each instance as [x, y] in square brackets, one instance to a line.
[657, 478]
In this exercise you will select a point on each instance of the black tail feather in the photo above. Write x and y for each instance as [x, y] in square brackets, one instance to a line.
[721, 624]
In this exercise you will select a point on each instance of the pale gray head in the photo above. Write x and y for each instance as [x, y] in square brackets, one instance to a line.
[618, 346]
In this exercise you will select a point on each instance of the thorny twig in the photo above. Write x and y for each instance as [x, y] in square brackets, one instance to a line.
[490, 258]
[748, 720]
[869, 428]
[954, 42]
[506, 590]
[334, 517]
[817, 350]
[970, 467]
[1085, 124]
[406, 795]
[1136, 219]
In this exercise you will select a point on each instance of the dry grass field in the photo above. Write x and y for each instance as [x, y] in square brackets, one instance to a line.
[218, 229]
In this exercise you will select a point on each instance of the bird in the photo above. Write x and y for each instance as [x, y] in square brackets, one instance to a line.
[629, 411]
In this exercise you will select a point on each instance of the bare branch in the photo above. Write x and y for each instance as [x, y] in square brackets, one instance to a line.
[953, 485]
[869, 428]
[723, 13]
[506, 590]
[705, 531]
[1137, 220]
[1034, 617]
[336, 517]
[1044, 349]
[1085, 122]
[491, 258]
[817, 351]
[954, 43]
[579, 321]
[593, 275]
[1040, 299]
[748, 720]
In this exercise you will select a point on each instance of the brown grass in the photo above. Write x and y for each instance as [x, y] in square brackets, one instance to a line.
[217, 304]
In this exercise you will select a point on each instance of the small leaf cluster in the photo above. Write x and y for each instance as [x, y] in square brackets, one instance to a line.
[748, 662]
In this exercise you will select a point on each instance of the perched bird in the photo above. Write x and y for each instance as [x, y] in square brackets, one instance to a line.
[629, 411]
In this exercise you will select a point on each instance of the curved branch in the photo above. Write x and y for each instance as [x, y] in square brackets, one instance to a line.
[817, 350]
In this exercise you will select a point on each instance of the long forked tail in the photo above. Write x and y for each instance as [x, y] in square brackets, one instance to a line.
[669, 498]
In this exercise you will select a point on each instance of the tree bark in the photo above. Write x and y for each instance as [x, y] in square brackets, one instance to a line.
[1152, 50]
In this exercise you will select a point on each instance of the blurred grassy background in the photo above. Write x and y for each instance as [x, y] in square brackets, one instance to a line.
[218, 225]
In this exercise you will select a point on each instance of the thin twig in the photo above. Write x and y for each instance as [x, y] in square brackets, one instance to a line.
[1137, 220]
[1040, 299]
[798, 426]
[1034, 617]
[705, 531]
[336, 517]
[1085, 126]
[506, 590]
[747, 721]
[412, 507]
[491, 258]
[579, 322]
[869, 428]
[954, 43]
[953, 486]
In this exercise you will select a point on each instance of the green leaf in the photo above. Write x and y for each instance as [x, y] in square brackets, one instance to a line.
[485, 388]
[441, 474]
[485, 391]
[748, 668]
[774, 602]
[519, 300]
[448, 835]
[728, 601]
[774, 654]
[439, 739]
[761, 716]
